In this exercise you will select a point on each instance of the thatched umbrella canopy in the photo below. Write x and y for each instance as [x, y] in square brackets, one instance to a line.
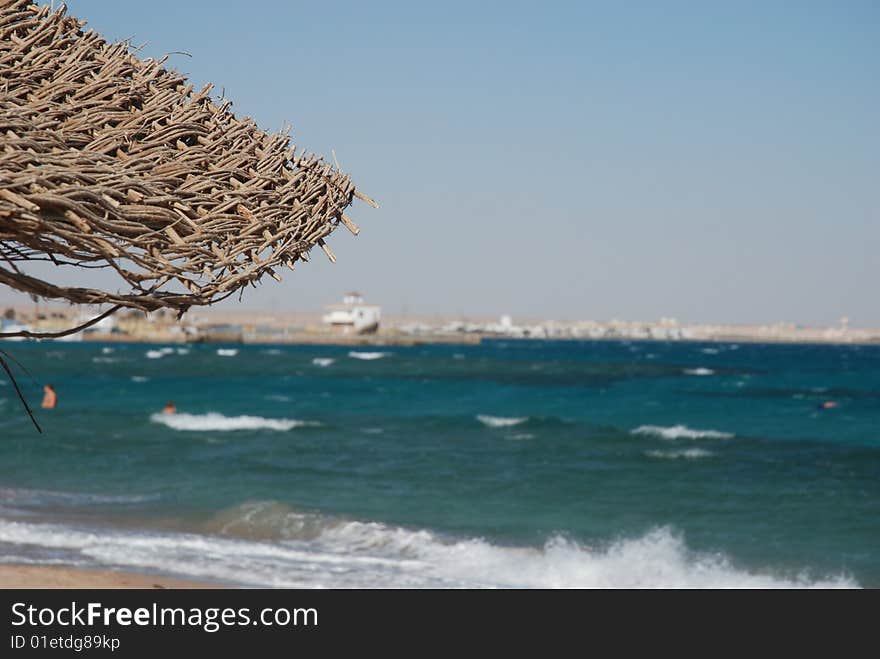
[112, 161]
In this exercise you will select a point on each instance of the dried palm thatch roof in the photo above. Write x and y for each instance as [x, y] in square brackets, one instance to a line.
[112, 161]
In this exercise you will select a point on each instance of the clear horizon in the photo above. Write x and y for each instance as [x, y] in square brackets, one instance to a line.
[716, 164]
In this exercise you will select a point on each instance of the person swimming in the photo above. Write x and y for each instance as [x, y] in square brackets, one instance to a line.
[170, 408]
[50, 397]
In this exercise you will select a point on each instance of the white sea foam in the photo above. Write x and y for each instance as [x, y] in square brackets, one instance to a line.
[710, 351]
[500, 421]
[217, 421]
[263, 544]
[688, 454]
[323, 361]
[271, 351]
[354, 354]
[182, 351]
[106, 350]
[680, 432]
[158, 354]
[699, 371]
[227, 352]
[105, 360]
[139, 378]
[521, 436]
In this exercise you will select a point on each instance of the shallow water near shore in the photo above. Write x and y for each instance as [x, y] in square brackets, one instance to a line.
[507, 464]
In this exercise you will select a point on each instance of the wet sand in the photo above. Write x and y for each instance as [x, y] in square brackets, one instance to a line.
[37, 576]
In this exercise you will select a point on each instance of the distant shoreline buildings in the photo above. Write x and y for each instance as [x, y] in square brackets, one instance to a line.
[666, 329]
[353, 316]
[353, 321]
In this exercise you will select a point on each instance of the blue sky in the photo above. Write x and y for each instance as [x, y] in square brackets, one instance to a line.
[710, 161]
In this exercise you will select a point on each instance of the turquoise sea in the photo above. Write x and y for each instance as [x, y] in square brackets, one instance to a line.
[508, 464]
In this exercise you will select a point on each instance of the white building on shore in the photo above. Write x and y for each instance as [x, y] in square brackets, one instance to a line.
[353, 316]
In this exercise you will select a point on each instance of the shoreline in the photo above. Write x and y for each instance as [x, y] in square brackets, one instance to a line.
[473, 339]
[43, 577]
[278, 327]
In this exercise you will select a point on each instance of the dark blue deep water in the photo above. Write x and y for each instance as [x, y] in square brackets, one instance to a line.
[511, 463]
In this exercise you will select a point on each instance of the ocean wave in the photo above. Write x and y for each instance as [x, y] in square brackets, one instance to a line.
[106, 350]
[139, 378]
[158, 354]
[323, 361]
[266, 544]
[680, 432]
[710, 351]
[688, 454]
[217, 421]
[28, 497]
[227, 352]
[500, 421]
[368, 356]
[699, 371]
[521, 436]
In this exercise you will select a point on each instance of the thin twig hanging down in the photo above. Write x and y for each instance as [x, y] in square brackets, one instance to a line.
[9, 374]
[110, 161]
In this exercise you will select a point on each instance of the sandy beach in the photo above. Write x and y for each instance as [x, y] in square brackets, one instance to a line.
[36, 576]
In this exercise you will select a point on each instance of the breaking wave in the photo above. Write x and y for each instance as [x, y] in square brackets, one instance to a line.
[354, 354]
[680, 432]
[323, 361]
[217, 421]
[500, 421]
[268, 544]
[158, 354]
[699, 371]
